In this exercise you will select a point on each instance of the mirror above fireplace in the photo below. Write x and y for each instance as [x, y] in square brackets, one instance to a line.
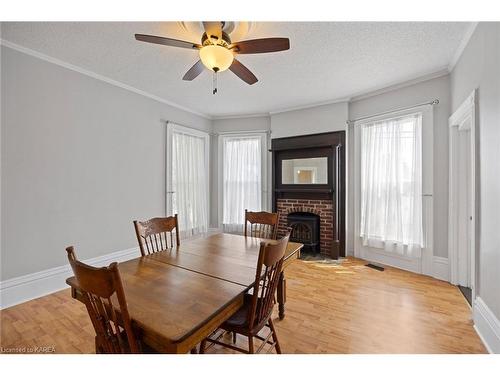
[304, 171]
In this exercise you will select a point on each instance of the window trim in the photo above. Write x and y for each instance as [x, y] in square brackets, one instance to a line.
[424, 264]
[263, 136]
[177, 128]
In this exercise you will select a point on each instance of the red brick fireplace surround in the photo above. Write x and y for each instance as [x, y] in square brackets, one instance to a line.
[322, 208]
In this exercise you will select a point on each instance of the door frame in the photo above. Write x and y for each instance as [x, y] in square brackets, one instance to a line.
[177, 128]
[463, 119]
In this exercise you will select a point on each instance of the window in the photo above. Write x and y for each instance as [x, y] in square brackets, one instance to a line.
[391, 184]
[243, 178]
[187, 179]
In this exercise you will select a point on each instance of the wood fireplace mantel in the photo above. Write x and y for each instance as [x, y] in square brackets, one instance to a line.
[332, 146]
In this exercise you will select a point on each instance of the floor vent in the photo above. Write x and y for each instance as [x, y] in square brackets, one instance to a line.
[375, 266]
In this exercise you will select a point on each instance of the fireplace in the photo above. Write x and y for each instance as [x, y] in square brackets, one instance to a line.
[322, 209]
[308, 182]
[305, 229]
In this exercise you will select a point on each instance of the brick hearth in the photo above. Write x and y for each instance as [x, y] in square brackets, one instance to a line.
[322, 208]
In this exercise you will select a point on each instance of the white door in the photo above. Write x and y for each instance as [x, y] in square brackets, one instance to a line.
[462, 195]
[187, 182]
[463, 208]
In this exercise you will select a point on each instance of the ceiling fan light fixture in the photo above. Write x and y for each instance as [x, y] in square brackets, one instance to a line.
[216, 58]
[217, 51]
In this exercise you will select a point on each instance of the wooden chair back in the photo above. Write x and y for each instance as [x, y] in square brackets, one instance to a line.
[157, 234]
[97, 286]
[261, 224]
[267, 276]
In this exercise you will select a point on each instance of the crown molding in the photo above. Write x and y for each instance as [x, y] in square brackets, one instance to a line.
[368, 93]
[462, 45]
[99, 77]
[311, 105]
[399, 85]
[443, 71]
[251, 115]
[353, 98]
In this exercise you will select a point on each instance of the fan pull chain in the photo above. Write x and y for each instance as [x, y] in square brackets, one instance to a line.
[214, 83]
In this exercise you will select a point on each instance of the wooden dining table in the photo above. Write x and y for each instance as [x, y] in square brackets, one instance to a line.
[178, 297]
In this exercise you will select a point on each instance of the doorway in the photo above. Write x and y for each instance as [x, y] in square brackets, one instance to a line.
[462, 198]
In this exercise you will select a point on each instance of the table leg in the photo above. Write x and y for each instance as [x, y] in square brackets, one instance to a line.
[281, 295]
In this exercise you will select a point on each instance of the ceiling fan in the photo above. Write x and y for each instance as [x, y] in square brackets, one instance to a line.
[217, 51]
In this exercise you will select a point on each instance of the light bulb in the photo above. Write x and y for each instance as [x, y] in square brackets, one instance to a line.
[216, 58]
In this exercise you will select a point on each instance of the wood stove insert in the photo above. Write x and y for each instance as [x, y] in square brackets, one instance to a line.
[305, 229]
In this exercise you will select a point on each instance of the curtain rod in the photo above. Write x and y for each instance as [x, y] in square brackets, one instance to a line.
[167, 122]
[218, 133]
[243, 132]
[432, 102]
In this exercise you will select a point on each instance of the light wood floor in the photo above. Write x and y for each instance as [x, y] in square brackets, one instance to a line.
[330, 309]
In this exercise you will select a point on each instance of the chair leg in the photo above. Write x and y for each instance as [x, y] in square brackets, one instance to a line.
[202, 346]
[234, 337]
[194, 350]
[97, 347]
[250, 344]
[275, 336]
[281, 291]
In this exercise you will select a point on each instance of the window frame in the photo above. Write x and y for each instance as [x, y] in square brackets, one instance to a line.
[181, 129]
[424, 264]
[263, 137]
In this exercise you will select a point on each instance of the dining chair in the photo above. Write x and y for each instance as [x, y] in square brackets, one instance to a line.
[255, 314]
[261, 224]
[99, 286]
[157, 234]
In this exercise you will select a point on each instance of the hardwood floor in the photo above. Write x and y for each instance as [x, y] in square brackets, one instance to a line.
[346, 308]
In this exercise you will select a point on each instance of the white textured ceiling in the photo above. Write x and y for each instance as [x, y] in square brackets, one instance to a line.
[326, 60]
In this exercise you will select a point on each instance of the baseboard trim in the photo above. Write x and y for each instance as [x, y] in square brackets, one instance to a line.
[35, 285]
[392, 260]
[440, 268]
[25, 288]
[487, 326]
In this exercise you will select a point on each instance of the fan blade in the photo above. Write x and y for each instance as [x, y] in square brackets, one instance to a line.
[166, 41]
[194, 72]
[261, 45]
[243, 72]
[213, 29]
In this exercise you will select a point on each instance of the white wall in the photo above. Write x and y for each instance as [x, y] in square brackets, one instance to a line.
[417, 93]
[320, 119]
[80, 159]
[479, 68]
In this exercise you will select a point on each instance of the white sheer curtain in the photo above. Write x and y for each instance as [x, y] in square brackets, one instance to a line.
[242, 180]
[189, 182]
[391, 185]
